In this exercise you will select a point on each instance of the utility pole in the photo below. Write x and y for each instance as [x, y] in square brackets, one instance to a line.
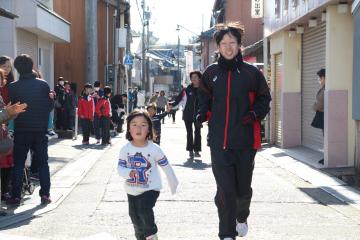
[91, 66]
[143, 79]
[178, 60]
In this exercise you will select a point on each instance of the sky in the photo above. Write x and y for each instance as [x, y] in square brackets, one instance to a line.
[193, 15]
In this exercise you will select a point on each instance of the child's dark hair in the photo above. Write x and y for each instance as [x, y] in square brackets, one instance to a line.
[134, 114]
[196, 73]
[235, 29]
[107, 90]
[151, 105]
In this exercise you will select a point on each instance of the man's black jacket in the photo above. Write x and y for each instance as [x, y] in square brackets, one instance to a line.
[35, 93]
[192, 106]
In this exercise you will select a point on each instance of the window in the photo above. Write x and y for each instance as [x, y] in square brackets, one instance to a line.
[277, 8]
[39, 57]
[294, 3]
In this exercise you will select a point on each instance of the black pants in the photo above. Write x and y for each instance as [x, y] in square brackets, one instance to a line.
[233, 170]
[142, 214]
[193, 143]
[5, 180]
[97, 127]
[86, 128]
[38, 143]
[105, 130]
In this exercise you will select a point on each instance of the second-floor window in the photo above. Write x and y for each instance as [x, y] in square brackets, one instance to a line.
[277, 8]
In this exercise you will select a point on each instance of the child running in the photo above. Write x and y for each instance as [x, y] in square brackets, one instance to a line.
[138, 163]
[156, 121]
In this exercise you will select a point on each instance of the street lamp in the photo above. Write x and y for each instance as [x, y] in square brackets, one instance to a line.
[178, 60]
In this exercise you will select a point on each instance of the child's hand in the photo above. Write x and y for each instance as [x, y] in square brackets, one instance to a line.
[173, 186]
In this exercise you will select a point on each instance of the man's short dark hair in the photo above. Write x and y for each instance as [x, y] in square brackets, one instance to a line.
[321, 72]
[232, 28]
[197, 73]
[23, 64]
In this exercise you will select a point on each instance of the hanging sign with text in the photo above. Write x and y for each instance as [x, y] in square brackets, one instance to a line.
[257, 8]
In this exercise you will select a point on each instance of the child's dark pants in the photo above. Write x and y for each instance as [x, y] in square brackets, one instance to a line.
[142, 214]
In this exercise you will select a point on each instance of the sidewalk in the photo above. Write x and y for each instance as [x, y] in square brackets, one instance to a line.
[305, 169]
[69, 162]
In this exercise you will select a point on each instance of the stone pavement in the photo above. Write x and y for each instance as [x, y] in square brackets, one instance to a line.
[69, 162]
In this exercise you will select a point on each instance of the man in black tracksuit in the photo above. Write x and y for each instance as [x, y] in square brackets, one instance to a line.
[189, 95]
[238, 97]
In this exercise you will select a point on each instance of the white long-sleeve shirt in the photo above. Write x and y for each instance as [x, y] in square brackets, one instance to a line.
[145, 161]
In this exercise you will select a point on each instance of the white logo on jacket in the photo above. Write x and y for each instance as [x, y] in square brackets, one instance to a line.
[214, 79]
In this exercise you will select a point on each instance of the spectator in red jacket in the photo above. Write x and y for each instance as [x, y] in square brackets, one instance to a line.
[103, 111]
[86, 110]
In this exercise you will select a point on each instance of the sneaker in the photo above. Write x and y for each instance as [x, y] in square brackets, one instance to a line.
[197, 154]
[51, 134]
[13, 202]
[191, 154]
[242, 228]
[152, 237]
[45, 199]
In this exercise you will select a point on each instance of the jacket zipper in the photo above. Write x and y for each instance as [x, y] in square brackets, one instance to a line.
[227, 110]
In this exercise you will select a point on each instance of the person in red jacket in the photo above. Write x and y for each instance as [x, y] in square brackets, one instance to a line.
[103, 111]
[86, 110]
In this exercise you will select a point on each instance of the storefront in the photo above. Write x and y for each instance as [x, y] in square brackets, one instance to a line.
[313, 59]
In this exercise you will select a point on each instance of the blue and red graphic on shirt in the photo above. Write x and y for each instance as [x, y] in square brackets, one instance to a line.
[163, 162]
[141, 165]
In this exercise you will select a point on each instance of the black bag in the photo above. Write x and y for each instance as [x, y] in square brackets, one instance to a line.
[318, 121]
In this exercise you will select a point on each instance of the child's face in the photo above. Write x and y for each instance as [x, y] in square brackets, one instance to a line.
[151, 112]
[139, 128]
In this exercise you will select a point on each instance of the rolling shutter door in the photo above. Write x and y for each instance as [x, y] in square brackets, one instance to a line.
[27, 43]
[313, 59]
[278, 82]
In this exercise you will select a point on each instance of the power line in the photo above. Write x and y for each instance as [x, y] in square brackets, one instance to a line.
[137, 5]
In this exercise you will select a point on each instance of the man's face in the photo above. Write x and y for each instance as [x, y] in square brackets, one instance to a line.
[229, 47]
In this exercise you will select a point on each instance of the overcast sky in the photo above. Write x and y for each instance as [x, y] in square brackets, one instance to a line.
[166, 14]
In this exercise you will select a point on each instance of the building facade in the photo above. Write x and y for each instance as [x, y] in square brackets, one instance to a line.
[71, 59]
[35, 31]
[303, 37]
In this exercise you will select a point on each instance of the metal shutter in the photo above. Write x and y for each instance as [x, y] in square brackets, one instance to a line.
[27, 43]
[313, 59]
[278, 82]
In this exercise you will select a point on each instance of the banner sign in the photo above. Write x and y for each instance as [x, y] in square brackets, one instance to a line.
[257, 8]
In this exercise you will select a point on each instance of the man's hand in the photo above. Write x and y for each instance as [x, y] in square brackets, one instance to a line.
[14, 109]
[249, 118]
